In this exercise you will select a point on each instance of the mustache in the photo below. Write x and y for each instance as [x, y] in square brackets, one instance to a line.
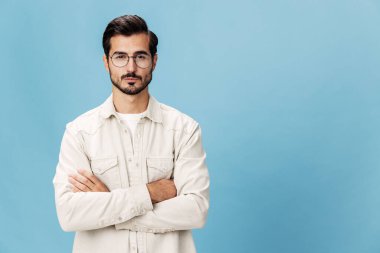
[133, 75]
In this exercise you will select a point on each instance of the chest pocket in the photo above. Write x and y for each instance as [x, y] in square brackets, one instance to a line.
[107, 170]
[159, 168]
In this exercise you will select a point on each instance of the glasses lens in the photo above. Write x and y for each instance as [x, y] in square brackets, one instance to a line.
[143, 61]
[120, 60]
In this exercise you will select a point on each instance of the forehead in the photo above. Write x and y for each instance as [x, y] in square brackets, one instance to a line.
[129, 44]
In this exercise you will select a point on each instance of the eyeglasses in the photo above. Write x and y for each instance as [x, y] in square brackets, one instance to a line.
[121, 59]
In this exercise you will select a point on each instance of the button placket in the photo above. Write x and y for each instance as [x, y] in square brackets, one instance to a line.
[140, 241]
[133, 240]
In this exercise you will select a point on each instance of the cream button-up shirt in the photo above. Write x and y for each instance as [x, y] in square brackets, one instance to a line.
[166, 144]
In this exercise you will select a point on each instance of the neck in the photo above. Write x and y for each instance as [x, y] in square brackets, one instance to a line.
[130, 103]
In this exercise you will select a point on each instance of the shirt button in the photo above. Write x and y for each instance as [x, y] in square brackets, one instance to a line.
[129, 160]
[137, 165]
[120, 218]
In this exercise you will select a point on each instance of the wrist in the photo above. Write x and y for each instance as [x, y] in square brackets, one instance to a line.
[151, 193]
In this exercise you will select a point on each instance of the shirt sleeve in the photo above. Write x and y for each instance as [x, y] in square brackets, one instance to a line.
[189, 209]
[91, 210]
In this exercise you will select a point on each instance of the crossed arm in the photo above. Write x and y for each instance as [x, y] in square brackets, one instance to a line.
[83, 202]
[85, 181]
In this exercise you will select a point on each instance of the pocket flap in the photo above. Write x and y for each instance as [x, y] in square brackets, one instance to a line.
[101, 165]
[159, 163]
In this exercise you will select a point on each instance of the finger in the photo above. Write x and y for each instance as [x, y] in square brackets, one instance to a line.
[89, 175]
[75, 189]
[78, 185]
[84, 180]
[98, 185]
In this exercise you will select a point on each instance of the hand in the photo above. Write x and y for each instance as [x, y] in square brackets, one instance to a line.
[85, 181]
[161, 190]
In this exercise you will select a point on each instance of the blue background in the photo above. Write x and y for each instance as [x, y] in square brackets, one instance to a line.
[286, 92]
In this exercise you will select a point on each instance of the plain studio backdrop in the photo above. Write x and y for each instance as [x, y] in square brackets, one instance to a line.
[287, 94]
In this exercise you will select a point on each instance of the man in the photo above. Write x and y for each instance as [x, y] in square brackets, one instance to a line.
[131, 175]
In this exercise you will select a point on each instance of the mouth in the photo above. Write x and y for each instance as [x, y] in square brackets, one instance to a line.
[131, 80]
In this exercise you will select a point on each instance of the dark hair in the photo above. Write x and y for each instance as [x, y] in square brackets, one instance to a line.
[128, 25]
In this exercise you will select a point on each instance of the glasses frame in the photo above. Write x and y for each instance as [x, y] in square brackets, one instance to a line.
[128, 58]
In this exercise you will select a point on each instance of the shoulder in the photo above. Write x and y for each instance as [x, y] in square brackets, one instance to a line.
[87, 122]
[176, 120]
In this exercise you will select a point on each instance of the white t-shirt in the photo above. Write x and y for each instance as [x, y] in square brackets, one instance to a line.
[130, 120]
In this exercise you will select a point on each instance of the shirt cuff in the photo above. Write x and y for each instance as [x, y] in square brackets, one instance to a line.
[142, 204]
[142, 199]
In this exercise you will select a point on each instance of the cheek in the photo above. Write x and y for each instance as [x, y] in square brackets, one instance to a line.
[115, 73]
[147, 74]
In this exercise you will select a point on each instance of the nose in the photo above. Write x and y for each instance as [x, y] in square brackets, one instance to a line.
[131, 66]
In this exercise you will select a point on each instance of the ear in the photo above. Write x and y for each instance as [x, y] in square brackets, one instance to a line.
[155, 58]
[105, 61]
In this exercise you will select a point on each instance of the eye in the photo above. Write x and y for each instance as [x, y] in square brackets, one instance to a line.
[120, 56]
[141, 57]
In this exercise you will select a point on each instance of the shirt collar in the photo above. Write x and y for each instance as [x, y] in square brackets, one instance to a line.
[153, 112]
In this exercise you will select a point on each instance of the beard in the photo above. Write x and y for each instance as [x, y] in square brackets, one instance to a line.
[131, 89]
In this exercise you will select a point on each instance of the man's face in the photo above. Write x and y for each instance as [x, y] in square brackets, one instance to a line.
[130, 79]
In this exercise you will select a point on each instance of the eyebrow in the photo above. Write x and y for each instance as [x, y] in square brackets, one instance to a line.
[135, 53]
[141, 52]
